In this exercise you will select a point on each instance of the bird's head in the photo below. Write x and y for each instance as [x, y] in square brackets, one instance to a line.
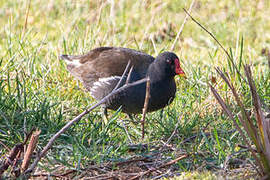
[170, 62]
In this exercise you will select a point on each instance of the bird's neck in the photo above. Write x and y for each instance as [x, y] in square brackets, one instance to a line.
[157, 73]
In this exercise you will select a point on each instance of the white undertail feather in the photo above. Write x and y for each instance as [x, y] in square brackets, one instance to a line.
[102, 83]
[74, 62]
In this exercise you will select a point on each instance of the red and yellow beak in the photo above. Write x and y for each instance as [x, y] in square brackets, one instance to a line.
[178, 69]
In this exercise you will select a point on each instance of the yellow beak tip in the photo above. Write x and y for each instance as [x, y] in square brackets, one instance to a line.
[183, 75]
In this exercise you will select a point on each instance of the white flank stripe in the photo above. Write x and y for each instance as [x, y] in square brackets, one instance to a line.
[101, 83]
[75, 63]
[108, 79]
[96, 84]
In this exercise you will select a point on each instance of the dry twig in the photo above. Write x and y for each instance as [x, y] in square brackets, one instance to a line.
[162, 166]
[122, 77]
[12, 155]
[146, 101]
[129, 74]
[127, 81]
[30, 149]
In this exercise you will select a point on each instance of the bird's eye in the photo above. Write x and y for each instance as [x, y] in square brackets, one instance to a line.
[168, 61]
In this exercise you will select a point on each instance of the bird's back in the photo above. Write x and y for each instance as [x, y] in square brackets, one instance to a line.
[100, 69]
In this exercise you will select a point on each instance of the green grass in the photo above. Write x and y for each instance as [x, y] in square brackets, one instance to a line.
[37, 91]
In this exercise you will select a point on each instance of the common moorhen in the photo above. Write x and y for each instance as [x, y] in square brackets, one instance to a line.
[100, 70]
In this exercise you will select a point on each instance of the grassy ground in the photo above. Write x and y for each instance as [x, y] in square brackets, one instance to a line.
[37, 91]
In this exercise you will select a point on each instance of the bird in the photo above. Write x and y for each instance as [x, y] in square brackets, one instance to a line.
[101, 69]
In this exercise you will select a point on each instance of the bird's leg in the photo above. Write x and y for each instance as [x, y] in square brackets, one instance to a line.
[105, 114]
[133, 119]
[161, 113]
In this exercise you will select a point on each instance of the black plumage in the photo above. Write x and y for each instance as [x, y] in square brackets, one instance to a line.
[100, 70]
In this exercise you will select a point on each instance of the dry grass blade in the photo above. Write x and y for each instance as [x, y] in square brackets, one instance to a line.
[229, 113]
[256, 101]
[174, 131]
[230, 58]
[182, 26]
[261, 120]
[268, 57]
[26, 18]
[126, 130]
[251, 129]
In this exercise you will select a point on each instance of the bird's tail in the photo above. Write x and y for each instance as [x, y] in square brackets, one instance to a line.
[70, 57]
[72, 61]
[65, 57]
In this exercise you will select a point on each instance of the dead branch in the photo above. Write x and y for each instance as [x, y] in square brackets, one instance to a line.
[129, 74]
[159, 167]
[126, 130]
[124, 126]
[30, 149]
[146, 101]
[12, 155]
[46, 175]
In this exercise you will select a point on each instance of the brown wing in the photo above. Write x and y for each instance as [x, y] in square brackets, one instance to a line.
[106, 62]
